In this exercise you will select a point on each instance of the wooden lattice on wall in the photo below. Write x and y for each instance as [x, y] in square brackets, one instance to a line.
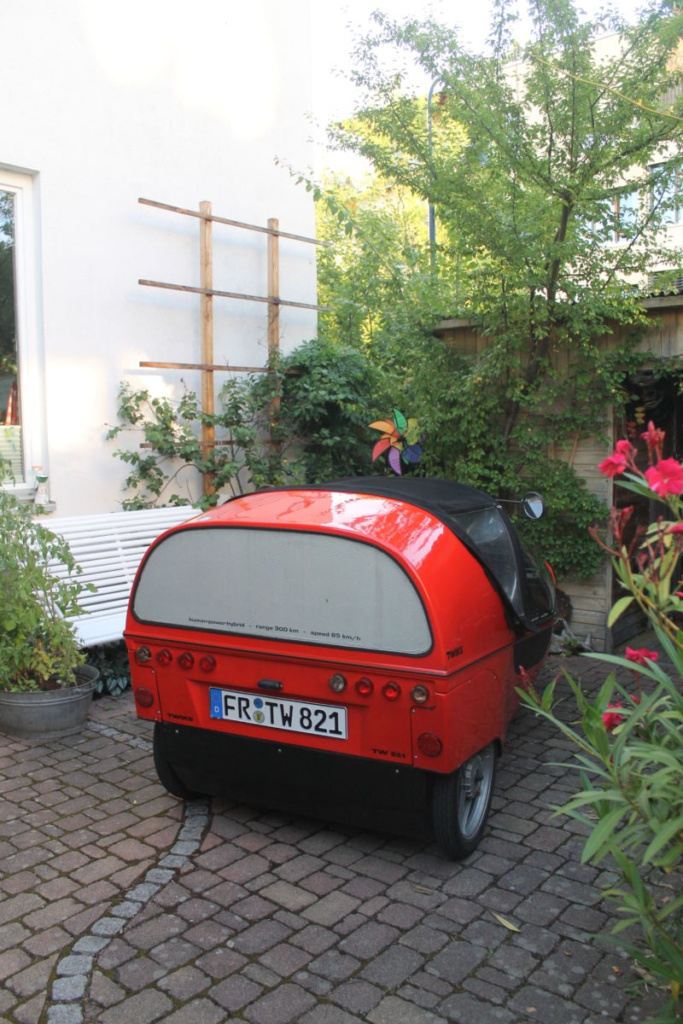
[208, 293]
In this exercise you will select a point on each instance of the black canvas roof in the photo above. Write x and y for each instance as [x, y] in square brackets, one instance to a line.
[437, 496]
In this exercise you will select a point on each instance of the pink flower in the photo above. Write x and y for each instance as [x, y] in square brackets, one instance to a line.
[674, 528]
[653, 436]
[666, 477]
[617, 462]
[640, 655]
[611, 718]
[613, 465]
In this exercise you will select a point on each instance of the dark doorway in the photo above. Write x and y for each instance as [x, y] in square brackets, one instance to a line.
[657, 399]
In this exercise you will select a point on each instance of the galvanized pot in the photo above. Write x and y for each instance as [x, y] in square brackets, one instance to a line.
[49, 714]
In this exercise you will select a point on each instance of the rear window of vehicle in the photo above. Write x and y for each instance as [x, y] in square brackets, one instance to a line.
[285, 585]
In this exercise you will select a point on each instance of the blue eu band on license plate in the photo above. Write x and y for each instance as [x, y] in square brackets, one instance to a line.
[323, 720]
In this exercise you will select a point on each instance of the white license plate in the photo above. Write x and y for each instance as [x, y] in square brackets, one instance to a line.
[276, 713]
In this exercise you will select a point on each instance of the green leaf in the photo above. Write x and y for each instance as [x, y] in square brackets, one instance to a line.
[666, 831]
[618, 608]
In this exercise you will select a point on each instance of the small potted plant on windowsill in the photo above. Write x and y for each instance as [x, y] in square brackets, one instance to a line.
[45, 687]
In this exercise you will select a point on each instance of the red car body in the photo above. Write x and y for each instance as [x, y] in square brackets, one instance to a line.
[331, 648]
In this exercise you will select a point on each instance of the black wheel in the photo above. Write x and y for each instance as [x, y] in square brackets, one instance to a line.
[167, 777]
[461, 803]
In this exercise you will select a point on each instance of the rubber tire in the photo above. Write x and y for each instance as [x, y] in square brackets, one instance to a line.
[167, 777]
[461, 802]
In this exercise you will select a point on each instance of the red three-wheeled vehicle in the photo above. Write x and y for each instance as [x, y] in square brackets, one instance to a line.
[350, 651]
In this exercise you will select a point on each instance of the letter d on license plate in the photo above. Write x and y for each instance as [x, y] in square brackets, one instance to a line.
[323, 720]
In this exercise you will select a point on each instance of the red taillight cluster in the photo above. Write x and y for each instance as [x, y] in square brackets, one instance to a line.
[391, 691]
[185, 661]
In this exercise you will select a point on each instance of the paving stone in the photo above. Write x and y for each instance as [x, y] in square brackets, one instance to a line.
[536, 1004]
[104, 991]
[357, 996]
[285, 959]
[235, 992]
[208, 935]
[199, 1011]
[314, 939]
[401, 915]
[398, 1011]
[12, 961]
[68, 990]
[466, 1009]
[151, 933]
[219, 963]
[424, 939]
[285, 1005]
[369, 940]
[64, 1014]
[137, 974]
[142, 1008]
[33, 979]
[260, 937]
[184, 984]
[326, 1014]
[334, 965]
[253, 908]
[331, 909]
[174, 953]
[287, 895]
[392, 967]
[418, 995]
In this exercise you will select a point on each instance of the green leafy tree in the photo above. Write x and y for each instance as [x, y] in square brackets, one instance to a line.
[533, 157]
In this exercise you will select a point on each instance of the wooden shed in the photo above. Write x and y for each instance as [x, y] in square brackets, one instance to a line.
[656, 398]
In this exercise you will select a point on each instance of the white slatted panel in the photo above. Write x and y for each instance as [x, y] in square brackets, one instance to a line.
[109, 549]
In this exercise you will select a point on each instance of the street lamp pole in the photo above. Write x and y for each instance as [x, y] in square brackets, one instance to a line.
[432, 211]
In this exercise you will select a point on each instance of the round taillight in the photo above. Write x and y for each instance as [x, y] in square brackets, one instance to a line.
[429, 744]
[164, 656]
[364, 687]
[207, 663]
[144, 697]
[337, 682]
[186, 660]
[392, 691]
[419, 694]
[143, 655]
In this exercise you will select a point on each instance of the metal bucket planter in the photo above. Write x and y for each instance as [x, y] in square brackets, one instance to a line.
[49, 714]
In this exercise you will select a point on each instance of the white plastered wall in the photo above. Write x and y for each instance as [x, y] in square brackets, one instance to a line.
[172, 102]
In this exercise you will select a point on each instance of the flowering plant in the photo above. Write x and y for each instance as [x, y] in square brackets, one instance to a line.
[647, 564]
[630, 745]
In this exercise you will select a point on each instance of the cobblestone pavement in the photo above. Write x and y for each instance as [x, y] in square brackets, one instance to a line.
[118, 905]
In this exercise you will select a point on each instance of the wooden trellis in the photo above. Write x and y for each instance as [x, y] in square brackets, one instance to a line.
[207, 293]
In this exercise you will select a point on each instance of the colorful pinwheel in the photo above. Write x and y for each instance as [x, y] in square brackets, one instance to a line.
[400, 437]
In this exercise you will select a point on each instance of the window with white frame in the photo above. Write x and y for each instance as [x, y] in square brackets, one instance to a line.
[667, 195]
[21, 371]
[626, 215]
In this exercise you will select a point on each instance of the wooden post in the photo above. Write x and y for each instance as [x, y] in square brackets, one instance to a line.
[207, 381]
[273, 287]
[273, 319]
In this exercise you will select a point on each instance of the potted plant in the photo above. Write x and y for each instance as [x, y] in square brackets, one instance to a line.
[45, 687]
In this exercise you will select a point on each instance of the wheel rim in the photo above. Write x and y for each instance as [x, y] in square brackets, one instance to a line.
[476, 779]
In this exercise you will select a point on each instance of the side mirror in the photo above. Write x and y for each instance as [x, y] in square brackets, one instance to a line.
[533, 505]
